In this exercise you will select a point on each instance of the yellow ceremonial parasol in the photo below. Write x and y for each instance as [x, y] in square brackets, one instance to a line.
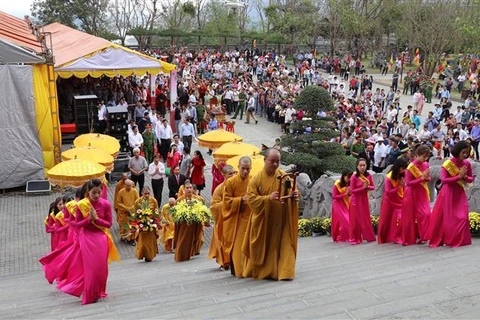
[216, 138]
[99, 141]
[232, 149]
[91, 154]
[74, 173]
[257, 162]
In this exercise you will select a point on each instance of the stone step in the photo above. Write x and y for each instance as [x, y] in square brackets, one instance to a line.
[333, 281]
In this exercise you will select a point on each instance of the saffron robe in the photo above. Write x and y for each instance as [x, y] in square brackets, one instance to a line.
[270, 243]
[216, 249]
[125, 201]
[236, 214]
[146, 240]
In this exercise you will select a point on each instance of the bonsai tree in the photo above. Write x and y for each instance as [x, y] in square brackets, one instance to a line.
[310, 149]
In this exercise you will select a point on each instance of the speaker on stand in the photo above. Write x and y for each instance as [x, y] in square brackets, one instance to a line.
[85, 111]
[118, 128]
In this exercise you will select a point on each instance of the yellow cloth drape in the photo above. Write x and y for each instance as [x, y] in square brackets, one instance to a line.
[109, 73]
[45, 114]
[417, 173]
[85, 206]
[395, 184]
[343, 190]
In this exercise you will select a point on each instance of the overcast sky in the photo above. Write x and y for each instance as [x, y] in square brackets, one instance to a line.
[17, 8]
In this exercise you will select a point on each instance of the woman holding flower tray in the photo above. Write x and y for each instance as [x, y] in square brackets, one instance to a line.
[189, 215]
[145, 221]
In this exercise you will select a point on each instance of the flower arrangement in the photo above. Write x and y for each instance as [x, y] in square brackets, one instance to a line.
[144, 218]
[375, 220]
[316, 224]
[190, 211]
[304, 228]
[327, 225]
[474, 219]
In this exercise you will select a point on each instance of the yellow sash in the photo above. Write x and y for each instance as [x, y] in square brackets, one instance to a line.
[453, 171]
[61, 218]
[85, 206]
[45, 222]
[343, 190]
[395, 184]
[417, 173]
[71, 206]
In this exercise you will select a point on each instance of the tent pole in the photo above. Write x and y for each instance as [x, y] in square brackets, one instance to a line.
[57, 137]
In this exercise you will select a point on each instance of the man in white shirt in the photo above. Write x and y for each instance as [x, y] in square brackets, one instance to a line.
[187, 133]
[227, 97]
[122, 103]
[424, 133]
[178, 143]
[251, 108]
[156, 171]
[379, 156]
[288, 116]
[102, 117]
[458, 115]
[135, 139]
[391, 116]
[463, 135]
[164, 134]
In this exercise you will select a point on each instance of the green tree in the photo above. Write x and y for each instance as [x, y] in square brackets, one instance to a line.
[295, 20]
[87, 15]
[429, 26]
[312, 151]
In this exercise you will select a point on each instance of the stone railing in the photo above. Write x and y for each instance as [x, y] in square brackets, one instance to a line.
[317, 196]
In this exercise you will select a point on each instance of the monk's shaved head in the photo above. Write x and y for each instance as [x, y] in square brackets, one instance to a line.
[271, 151]
[227, 168]
[245, 159]
[244, 166]
[272, 160]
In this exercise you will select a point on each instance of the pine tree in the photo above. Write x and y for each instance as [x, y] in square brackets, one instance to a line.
[310, 149]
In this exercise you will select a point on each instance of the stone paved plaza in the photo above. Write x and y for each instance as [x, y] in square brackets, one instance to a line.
[335, 281]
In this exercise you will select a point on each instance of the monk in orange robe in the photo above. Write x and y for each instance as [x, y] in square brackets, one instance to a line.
[217, 250]
[126, 201]
[119, 186]
[270, 244]
[147, 247]
[236, 214]
[188, 239]
[168, 226]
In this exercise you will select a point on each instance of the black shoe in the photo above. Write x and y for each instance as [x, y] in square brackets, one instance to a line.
[256, 121]
[133, 243]
[233, 118]
[247, 122]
